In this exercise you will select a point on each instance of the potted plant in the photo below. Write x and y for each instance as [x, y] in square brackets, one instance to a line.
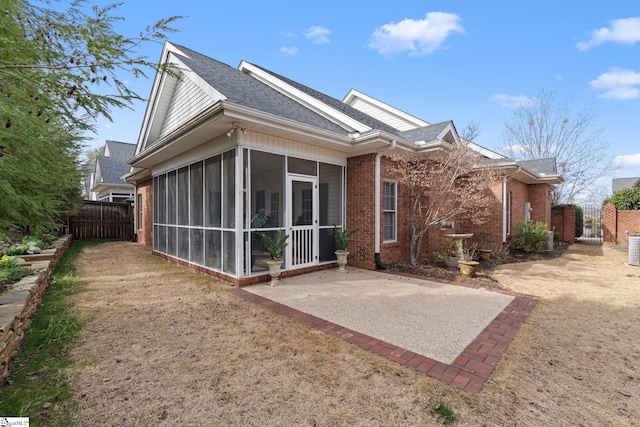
[448, 253]
[342, 237]
[275, 246]
[468, 264]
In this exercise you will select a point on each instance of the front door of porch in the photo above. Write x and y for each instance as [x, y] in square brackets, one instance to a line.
[302, 219]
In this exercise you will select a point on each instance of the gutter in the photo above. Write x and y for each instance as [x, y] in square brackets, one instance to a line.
[504, 203]
[379, 264]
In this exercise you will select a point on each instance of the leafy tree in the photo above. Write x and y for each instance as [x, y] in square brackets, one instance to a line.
[452, 183]
[547, 127]
[60, 68]
[626, 199]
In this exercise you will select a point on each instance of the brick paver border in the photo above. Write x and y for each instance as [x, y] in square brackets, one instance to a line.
[471, 369]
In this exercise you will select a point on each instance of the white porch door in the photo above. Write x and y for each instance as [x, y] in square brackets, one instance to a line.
[302, 220]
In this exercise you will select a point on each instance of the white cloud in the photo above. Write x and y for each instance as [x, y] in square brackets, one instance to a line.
[627, 165]
[558, 77]
[419, 37]
[318, 34]
[107, 126]
[289, 50]
[618, 83]
[624, 31]
[628, 161]
[509, 101]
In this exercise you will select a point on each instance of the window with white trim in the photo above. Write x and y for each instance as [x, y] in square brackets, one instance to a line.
[389, 211]
[508, 213]
[140, 210]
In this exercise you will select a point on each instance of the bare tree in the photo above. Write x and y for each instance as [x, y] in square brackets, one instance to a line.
[546, 127]
[471, 131]
[451, 183]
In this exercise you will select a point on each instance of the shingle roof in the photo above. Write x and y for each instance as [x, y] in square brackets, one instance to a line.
[337, 104]
[242, 89]
[618, 184]
[112, 170]
[545, 166]
[426, 133]
[121, 151]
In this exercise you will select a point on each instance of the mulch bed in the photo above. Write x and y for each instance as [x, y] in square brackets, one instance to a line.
[483, 278]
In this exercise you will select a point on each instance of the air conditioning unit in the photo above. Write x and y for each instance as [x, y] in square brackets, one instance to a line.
[634, 250]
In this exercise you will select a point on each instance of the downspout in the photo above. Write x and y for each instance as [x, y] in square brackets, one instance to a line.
[504, 203]
[379, 264]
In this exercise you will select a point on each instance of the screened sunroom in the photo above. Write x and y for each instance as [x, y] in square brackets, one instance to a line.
[207, 213]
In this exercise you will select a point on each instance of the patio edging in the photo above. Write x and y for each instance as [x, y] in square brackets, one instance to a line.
[470, 370]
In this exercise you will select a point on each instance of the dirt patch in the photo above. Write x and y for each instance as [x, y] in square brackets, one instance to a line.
[164, 345]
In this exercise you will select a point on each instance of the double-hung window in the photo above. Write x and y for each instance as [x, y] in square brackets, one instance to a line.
[389, 211]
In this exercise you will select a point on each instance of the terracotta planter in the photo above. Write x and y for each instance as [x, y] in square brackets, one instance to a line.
[274, 271]
[485, 254]
[468, 268]
[342, 260]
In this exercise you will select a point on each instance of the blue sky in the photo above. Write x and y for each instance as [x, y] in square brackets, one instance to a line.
[438, 60]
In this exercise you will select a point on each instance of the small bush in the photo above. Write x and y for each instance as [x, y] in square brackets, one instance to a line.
[530, 236]
[17, 249]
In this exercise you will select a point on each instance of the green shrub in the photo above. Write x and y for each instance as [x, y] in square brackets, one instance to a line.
[530, 236]
[17, 249]
[625, 200]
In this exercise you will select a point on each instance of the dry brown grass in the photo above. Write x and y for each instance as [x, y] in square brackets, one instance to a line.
[164, 346]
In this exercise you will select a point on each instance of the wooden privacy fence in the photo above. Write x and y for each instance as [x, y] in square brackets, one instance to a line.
[101, 220]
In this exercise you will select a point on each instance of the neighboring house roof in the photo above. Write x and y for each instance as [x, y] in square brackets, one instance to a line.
[111, 167]
[111, 170]
[87, 183]
[120, 151]
[618, 184]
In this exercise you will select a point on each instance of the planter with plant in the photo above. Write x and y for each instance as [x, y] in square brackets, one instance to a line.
[342, 237]
[275, 245]
[469, 264]
[447, 254]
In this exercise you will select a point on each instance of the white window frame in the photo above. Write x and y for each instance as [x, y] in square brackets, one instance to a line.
[508, 213]
[393, 211]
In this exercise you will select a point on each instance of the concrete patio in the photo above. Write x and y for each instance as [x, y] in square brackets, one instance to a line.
[449, 331]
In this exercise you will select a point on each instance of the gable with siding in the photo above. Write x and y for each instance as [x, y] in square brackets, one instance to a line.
[187, 100]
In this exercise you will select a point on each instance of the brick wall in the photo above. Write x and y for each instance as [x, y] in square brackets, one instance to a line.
[489, 232]
[564, 221]
[617, 223]
[145, 230]
[360, 210]
[519, 196]
[361, 213]
[540, 199]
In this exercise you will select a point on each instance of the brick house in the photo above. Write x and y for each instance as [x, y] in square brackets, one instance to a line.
[224, 152]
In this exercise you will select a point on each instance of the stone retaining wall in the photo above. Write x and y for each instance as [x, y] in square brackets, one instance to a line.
[20, 302]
